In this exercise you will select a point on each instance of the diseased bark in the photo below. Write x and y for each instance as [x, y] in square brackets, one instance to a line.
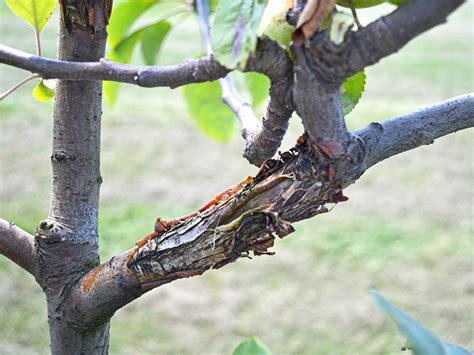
[67, 242]
[301, 183]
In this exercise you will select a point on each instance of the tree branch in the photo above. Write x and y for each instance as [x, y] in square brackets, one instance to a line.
[262, 140]
[242, 109]
[265, 141]
[333, 63]
[173, 76]
[298, 186]
[18, 246]
[398, 135]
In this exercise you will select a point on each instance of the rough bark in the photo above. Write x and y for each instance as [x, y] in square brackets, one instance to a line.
[67, 242]
[299, 184]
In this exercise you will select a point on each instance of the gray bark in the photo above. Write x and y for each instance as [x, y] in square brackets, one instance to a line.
[67, 242]
[81, 294]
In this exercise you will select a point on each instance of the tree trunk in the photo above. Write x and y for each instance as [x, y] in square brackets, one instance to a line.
[67, 242]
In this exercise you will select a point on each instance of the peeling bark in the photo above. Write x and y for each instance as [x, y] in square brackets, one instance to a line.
[81, 294]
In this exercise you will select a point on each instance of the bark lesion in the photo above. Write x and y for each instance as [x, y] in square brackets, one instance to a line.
[299, 185]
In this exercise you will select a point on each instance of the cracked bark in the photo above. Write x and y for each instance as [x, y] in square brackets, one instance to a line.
[300, 184]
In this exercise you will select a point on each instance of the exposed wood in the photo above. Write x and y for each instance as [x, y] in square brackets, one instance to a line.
[303, 183]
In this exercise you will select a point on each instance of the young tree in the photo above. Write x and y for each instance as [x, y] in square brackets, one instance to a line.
[82, 294]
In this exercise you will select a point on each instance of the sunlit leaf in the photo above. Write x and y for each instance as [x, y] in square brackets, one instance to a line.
[42, 93]
[213, 4]
[273, 23]
[352, 90]
[419, 339]
[153, 35]
[252, 346]
[111, 91]
[35, 12]
[258, 85]
[208, 111]
[340, 24]
[123, 17]
[152, 39]
[234, 31]
[398, 2]
[122, 53]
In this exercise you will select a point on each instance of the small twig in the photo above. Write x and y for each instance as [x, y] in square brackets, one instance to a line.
[354, 14]
[242, 109]
[17, 86]
[38, 43]
[36, 28]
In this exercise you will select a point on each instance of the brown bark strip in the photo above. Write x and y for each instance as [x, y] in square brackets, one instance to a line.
[297, 186]
[313, 15]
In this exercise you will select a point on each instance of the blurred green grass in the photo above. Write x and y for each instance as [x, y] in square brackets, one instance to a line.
[406, 231]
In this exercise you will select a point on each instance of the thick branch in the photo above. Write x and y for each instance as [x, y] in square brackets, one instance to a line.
[323, 118]
[322, 66]
[18, 246]
[263, 142]
[334, 63]
[398, 135]
[296, 187]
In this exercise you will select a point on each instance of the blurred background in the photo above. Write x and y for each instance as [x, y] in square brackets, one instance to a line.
[406, 230]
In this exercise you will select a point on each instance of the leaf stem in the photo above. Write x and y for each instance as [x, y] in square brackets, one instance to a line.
[17, 86]
[38, 43]
[37, 30]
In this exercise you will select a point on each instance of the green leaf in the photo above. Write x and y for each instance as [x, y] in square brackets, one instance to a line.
[42, 93]
[152, 39]
[208, 111]
[234, 31]
[35, 12]
[352, 90]
[213, 5]
[419, 339]
[274, 24]
[111, 91]
[398, 2]
[340, 24]
[252, 346]
[258, 85]
[122, 53]
[123, 17]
